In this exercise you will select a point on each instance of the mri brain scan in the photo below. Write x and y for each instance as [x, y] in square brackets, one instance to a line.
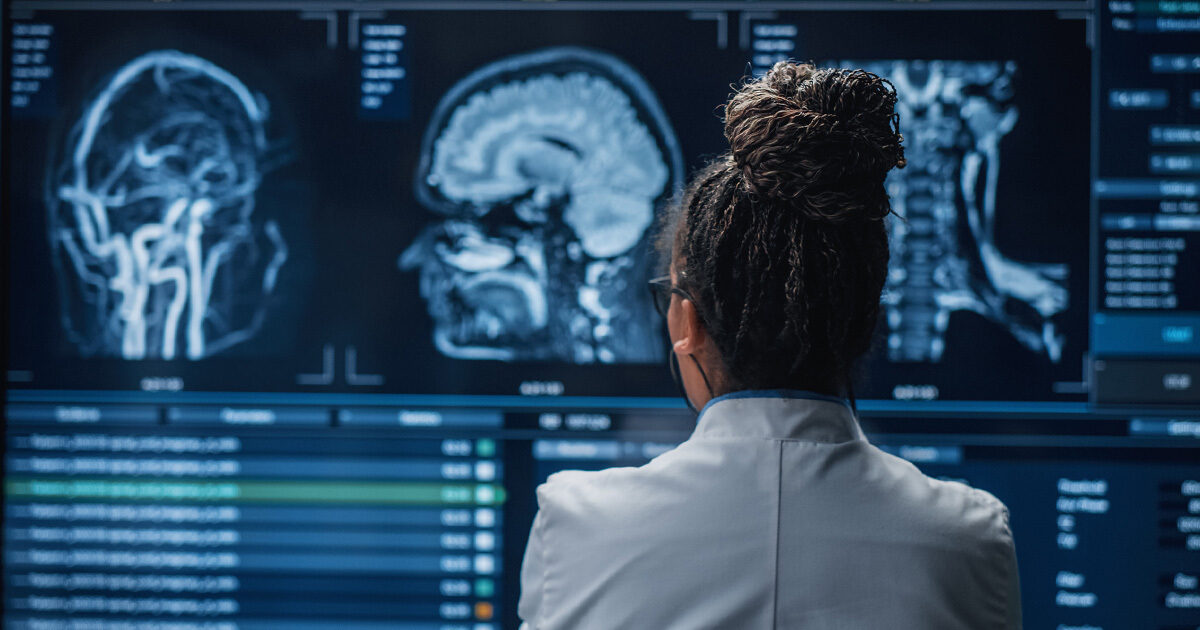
[545, 170]
[944, 254]
[151, 214]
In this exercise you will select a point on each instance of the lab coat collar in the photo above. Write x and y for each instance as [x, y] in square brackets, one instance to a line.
[780, 414]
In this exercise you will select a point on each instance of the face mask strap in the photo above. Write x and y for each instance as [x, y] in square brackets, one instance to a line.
[704, 376]
[673, 361]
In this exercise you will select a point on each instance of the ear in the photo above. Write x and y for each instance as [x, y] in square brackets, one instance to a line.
[693, 336]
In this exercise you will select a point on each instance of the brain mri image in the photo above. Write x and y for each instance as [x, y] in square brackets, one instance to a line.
[151, 214]
[545, 170]
[954, 115]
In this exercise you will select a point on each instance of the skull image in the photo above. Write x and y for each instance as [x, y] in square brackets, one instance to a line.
[944, 254]
[150, 214]
[546, 168]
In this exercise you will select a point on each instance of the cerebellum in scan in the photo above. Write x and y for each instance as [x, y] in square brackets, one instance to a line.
[543, 173]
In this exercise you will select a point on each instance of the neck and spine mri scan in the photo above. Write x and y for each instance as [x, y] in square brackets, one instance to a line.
[151, 214]
[546, 169]
[944, 253]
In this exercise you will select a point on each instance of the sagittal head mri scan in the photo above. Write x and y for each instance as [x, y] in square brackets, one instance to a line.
[545, 169]
[944, 254]
[151, 214]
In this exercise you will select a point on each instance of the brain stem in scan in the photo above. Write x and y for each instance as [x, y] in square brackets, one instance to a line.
[954, 115]
[151, 214]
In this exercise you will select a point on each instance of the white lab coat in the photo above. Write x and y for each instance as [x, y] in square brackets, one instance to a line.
[776, 513]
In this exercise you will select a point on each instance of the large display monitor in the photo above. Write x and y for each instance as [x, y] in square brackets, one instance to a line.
[303, 299]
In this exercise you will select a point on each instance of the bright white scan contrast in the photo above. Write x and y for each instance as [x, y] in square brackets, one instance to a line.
[944, 256]
[548, 168]
[151, 214]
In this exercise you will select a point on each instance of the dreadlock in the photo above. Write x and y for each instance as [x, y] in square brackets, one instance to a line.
[782, 240]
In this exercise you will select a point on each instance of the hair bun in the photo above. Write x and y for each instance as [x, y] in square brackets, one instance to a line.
[820, 141]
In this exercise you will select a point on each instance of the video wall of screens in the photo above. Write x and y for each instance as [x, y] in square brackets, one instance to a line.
[304, 300]
[466, 202]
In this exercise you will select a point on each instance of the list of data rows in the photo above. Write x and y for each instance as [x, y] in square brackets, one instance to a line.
[250, 532]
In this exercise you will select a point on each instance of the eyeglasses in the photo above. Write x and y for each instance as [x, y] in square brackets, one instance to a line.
[661, 290]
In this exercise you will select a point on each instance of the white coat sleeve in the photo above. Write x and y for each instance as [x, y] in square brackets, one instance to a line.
[1013, 618]
[1014, 593]
[533, 574]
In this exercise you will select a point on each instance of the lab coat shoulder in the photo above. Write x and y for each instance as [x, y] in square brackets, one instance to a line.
[573, 554]
[942, 550]
[574, 529]
[666, 488]
[969, 519]
[632, 547]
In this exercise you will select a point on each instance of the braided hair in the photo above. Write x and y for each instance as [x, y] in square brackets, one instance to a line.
[782, 241]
